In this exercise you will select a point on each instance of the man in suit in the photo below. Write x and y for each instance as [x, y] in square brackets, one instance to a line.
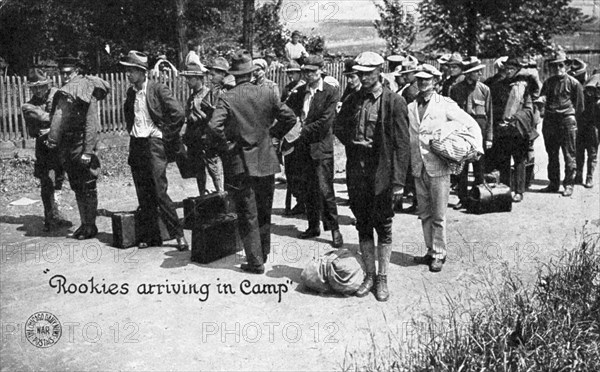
[37, 118]
[241, 129]
[475, 98]
[373, 127]
[74, 129]
[154, 118]
[315, 104]
[427, 115]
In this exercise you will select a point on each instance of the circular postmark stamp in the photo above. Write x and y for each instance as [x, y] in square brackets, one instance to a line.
[43, 329]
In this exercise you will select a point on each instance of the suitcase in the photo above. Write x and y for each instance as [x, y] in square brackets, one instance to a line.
[489, 198]
[126, 227]
[215, 238]
[206, 207]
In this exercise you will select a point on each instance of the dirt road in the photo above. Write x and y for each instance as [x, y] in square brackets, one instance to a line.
[230, 323]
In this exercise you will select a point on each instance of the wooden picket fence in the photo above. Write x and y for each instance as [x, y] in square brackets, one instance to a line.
[14, 93]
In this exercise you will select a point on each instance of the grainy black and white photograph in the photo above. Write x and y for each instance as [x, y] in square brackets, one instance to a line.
[299, 185]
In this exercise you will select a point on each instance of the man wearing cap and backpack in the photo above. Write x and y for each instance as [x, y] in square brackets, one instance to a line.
[373, 127]
[154, 118]
[74, 129]
[241, 130]
[564, 102]
[37, 118]
[455, 74]
[475, 99]
[315, 104]
[197, 115]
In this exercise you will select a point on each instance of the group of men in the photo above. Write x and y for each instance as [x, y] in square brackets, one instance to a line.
[242, 128]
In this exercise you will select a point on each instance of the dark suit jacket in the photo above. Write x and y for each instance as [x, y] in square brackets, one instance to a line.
[317, 130]
[241, 129]
[390, 138]
[166, 111]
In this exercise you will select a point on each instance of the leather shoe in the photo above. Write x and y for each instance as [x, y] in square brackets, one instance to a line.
[84, 232]
[589, 182]
[143, 245]
[337, 239]
[310, 233]
[517, 198]
[550, 188]
[568, 191]
[410, 210]
[182, 244]
[436, 265]
[459, 205]
[366, 286]
[423, 260]
[253, 269]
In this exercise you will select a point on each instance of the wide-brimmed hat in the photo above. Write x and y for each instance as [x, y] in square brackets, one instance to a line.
[516, 61]
[260, 63]
[37, 77]
[293, 66]
[314, 62]
[578, 67]
[427, 71]
[410, 64]
[241, 63]
[557, 57]
[135, 59]
[472, 64]
[348, 66]
[455, 59]
[444, 58]
[368, 61]
[193, 69]
[220, 63]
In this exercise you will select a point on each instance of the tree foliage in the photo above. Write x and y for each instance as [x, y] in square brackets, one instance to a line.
[397, 25]
[269, 30]
[491, 28]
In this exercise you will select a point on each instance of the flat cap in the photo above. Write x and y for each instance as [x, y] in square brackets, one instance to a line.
[368, 61]
[314, 62]
[427, 71]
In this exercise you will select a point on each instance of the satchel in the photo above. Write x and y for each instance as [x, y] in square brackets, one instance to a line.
[489, 198]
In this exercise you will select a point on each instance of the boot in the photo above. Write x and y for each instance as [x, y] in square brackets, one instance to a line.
[367, 250]
[578, 178]
[589, 179]
[381, 290]
[384, 253]
[88, 206]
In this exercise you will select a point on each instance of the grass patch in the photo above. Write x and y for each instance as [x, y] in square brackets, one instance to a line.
[552, 325]
[16, 174]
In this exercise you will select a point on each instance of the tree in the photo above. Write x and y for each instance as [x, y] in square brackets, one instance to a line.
[490, 28]
[397, 25]
[248, 26]
[269, 31]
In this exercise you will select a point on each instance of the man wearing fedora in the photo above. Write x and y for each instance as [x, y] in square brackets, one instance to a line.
[197, 116]
[241, 129]
[428, 114]
[455, 73]
[75, 124]
[475, 99]
[373, 127]
[154, 118]
[564, 102]
[37, 119]
[315, 105]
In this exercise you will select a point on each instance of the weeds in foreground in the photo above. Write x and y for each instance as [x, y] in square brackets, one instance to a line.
[553, 325]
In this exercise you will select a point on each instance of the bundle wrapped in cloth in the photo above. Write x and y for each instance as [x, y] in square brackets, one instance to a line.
[457, 145]
[340, 271]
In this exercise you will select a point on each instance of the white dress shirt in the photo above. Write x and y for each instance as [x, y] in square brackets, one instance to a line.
[143, 126]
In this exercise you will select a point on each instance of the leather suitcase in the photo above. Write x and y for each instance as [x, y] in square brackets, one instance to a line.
[215, 238]
[206, 207]
[489, 198]
[126, 228]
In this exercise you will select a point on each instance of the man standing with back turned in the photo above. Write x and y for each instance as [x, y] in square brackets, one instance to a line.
[241, 129]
